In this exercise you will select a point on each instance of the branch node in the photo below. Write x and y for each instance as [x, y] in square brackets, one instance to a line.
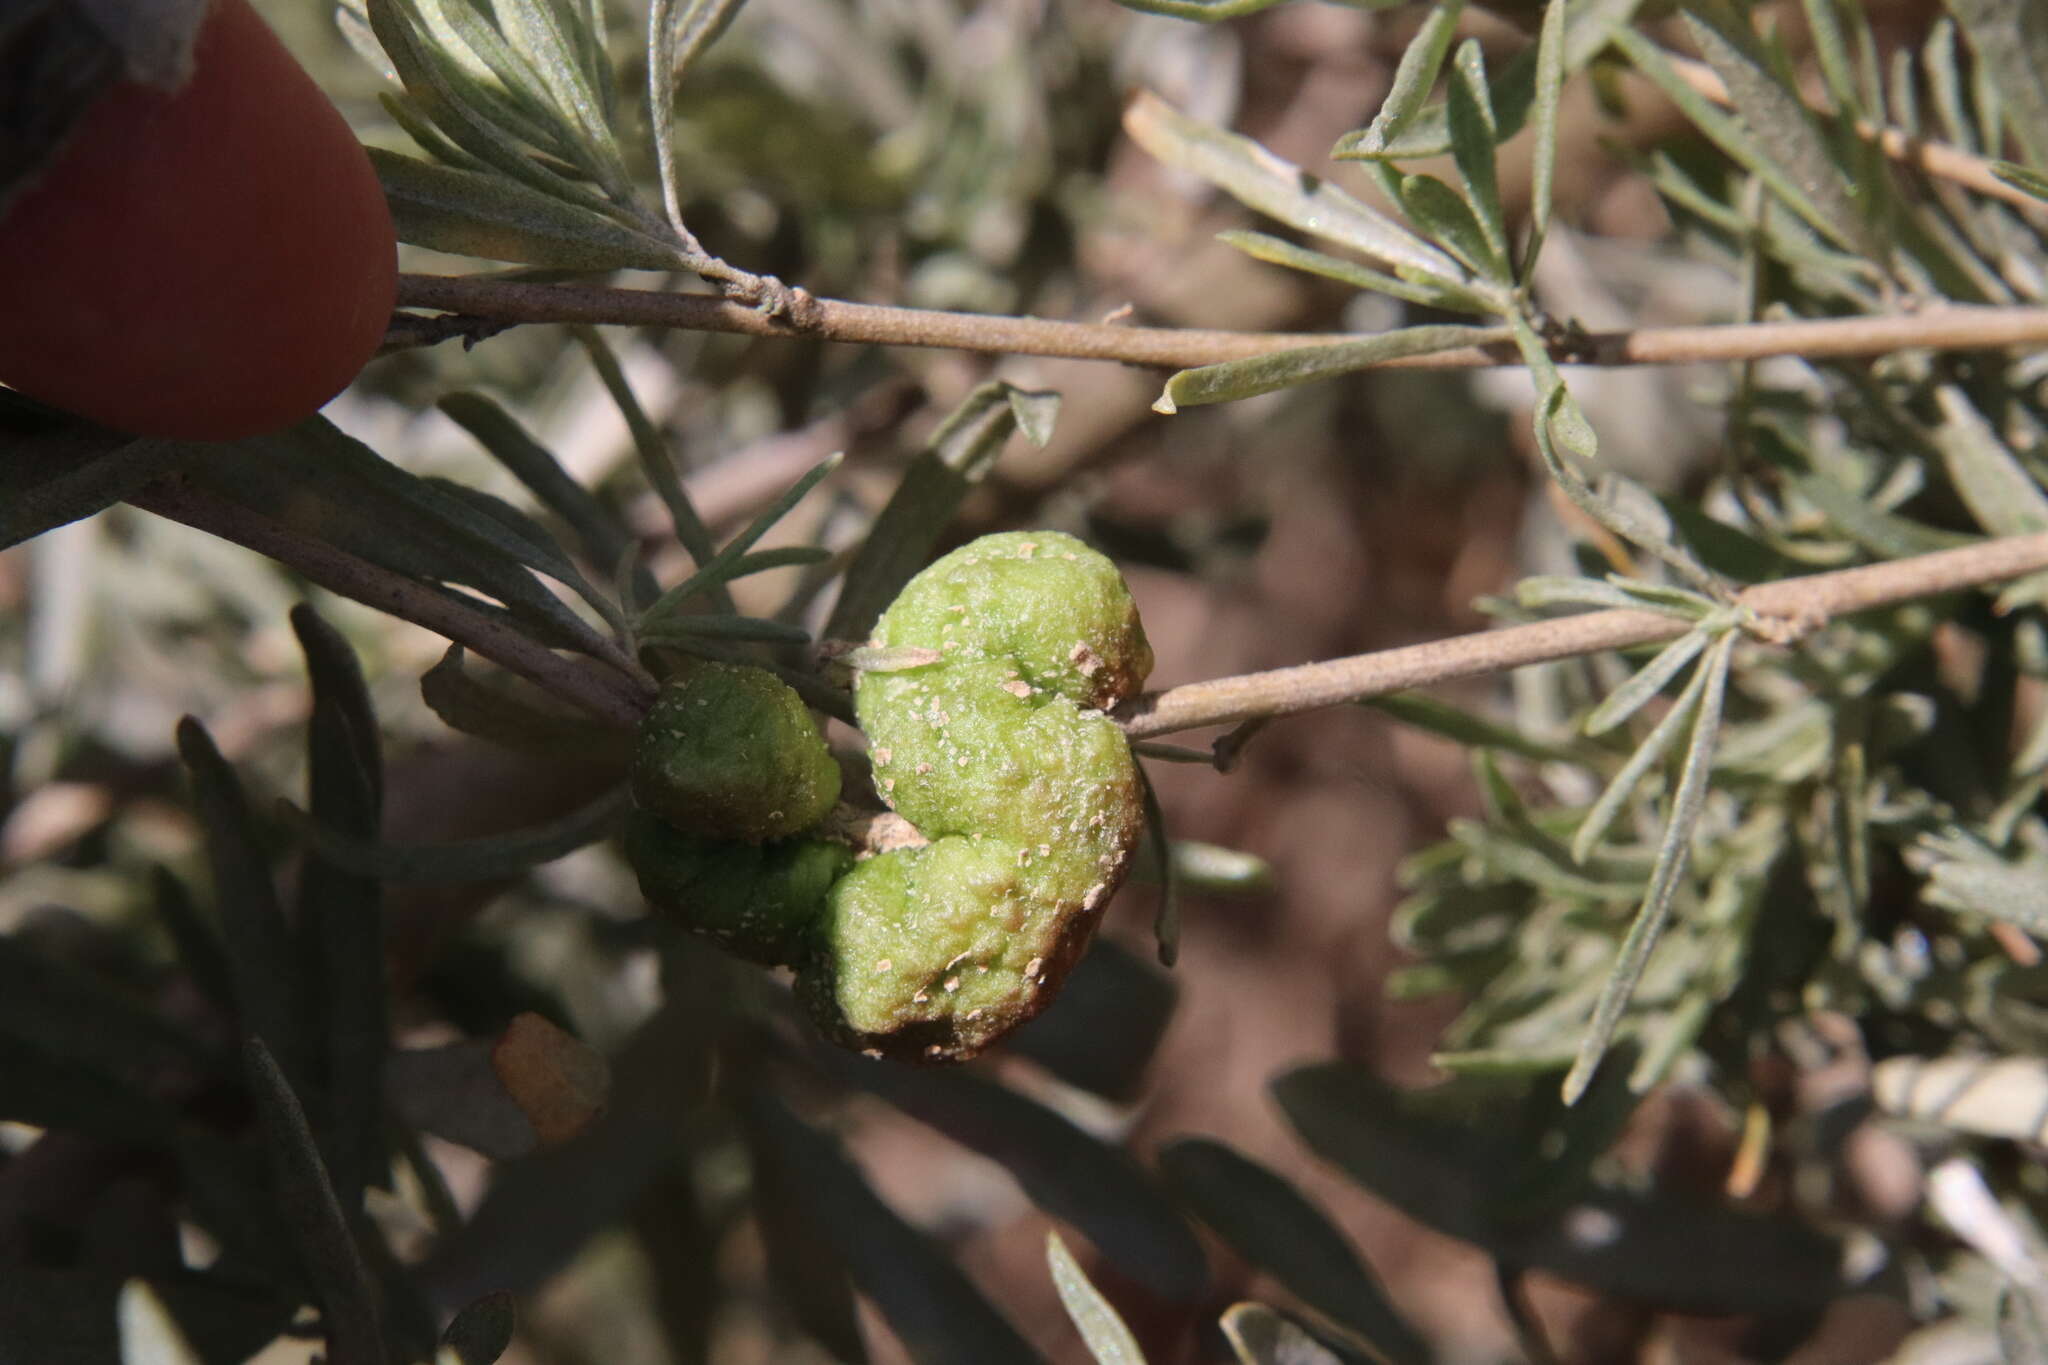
[790, 303]
[1783, 627]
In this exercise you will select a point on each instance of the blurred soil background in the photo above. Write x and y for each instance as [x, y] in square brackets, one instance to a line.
[962, 156]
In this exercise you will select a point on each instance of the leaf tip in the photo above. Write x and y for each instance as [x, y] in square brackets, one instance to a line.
[1577, 1079]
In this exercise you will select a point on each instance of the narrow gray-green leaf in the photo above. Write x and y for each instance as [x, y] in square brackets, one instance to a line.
[677, 627]
[1263, 246]
[539, 30]
[1885, 533]
[1442, 212]
[1166, 920]
[1831, 47]
[513, 68]
[1647, 681]
[1215, 11]
[477, 116]
[1987, 105]
[510, 530]
[2010, 40]
[354, 23]
[1999, 492]
[326, 484]
[1414, 77]
[1516, 859]
[1725, 132]
[905, 532]
[1941, 60]
[599, 531]
[1546, 591]
[72, 470]
[1665, 596]
[2016, 893]
[500, 220]
[1102, 1330]
[1646, 756]
[438, 70]
[655, 461]
[490, 858]
[1266, 1220]
[405, 111]
[348, 1304]
[1551, 59]
[1474, 135]
[261, 950]
[1424, 132]
[1782, 125]
[1591, 26]
[585, 21]
[1234, 379]
[340, 913]
[1428, 133]
[690, 27]
[721, 563]
[1673, 853]
[505, 717]
[1259, 180]
[676, 34]
[723, 569]
[1623, 507]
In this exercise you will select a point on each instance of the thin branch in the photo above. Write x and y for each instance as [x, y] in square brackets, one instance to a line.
[1784, 611]
[1781, 611]
[1936, 159]
[606, 694]
[1950, 328]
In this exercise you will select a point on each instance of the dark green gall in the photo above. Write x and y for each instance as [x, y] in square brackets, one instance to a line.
[761, 902]
[730, 752]
[999, 752]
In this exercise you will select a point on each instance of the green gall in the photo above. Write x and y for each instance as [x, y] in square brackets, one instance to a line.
[1039, 602]
[729, 751]
[999, 752]
[758, 901]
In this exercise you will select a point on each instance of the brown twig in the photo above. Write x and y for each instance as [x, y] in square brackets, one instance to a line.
[1784, 609]
[602, 692]
[1781, 610]
[1949, 328]
[1792, 605]
[1937, 159]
